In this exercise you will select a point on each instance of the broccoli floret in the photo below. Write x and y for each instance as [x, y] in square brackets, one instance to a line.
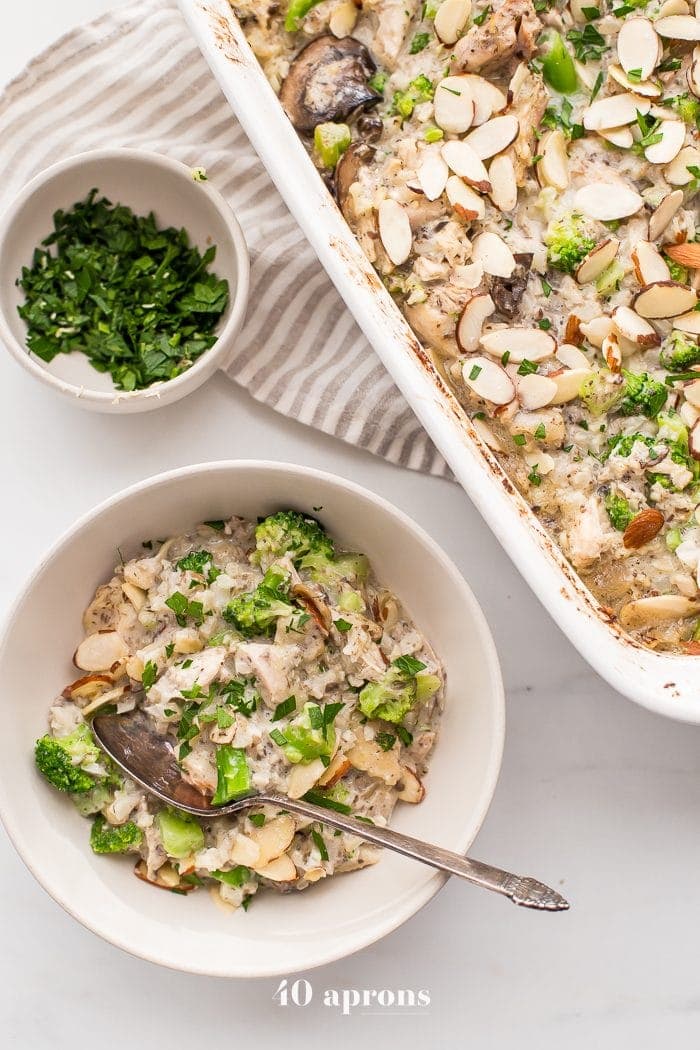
[180, 833]
[257, 612]
[622, 444]
[687, 108]
[311, 735]
[104, 838]
[289, 532]
[679, 353]
[568, 241]
[332, 571]
[60, 760]
[401, 685]
[643, 396]
[599, 394]
[619, 511]
[676, 271]
[97, 798]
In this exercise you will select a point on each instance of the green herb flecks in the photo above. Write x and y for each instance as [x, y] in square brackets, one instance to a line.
[137, 300]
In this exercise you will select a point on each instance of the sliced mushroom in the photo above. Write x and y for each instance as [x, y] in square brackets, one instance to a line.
[664, 299]
[328, 81]
[315, 606]
[471, 321]
[347, 170]
[100, 651]
[660, 608]
[508, 291]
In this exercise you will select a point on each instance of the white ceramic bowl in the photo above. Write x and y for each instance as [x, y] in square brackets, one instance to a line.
[280, 934]
[145, 182]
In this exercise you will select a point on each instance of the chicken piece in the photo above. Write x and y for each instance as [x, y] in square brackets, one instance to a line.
[530, 100]
[511, 30]
[394, 18]
[202, 669]
[589, 537]
[433, 326]
[270, 664]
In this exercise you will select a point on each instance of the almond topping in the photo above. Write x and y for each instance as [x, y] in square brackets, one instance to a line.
[553, 168]
[647, 524]
[535, 391]
[504, 187]
[432, 174]
[664, 212]
[607, 201]
[672, 138]
[660, 608]
[464, 199]
[464, 162]
[487, 98]
[597, 260]
[614, 111]
[471, 322]
[687, 254]
[488, 380]
[638, 46]
[453, 105]
[676, 173]
[450, 19]
[494, 254]
[493, 136]
[678, 27]
[664, 299]
[633, 327]
[395, 231]
[649, 266]
[688, 323]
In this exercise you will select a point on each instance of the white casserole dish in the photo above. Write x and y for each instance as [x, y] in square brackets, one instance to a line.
[662, 682]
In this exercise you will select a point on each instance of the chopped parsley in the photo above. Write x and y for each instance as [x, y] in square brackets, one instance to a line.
[149, 675]
[137, 300]
[589, 44]
[479, 19]
[527, 368]
[185, 610]
[284, 709]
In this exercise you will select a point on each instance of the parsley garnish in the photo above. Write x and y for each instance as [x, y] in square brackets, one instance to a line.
[184, 609]
[475, 372]
[342, 625]
[385, 740]
[527, 368]
[285, 708]
[479, 19]
[149, 675]
[589, 44]
[137, 300]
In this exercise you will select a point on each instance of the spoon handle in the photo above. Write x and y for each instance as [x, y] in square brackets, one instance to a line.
[523, 890]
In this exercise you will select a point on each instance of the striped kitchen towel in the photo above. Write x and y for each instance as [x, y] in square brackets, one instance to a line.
[135, 77]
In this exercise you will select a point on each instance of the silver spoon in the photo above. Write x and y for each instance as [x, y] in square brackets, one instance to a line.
[150, 760]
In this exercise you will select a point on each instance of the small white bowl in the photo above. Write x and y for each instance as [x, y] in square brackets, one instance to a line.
[280, 934]
[145, 182]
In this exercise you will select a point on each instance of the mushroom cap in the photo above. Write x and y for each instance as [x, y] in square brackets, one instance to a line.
[328, 81]
[348, 168]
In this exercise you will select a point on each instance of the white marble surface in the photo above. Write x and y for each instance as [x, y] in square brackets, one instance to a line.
[594, 791]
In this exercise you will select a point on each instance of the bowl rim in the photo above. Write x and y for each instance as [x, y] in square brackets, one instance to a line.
[412, 902]
[219, 351]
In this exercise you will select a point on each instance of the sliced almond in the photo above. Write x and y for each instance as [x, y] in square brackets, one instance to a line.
[649, 265]
[631, 326]
[432, 174]
[412, 789]
[464, 199]
[638, 46]
[614, 111]
[504, 186]
[597, 260]
[664, 299]
[608, 201]
[112, 696]
[688, 323]
[100, 651]
[672, 138]
[166, 878]
[643, 528]
[245, 851]
[87, 687]
[568, 383]
[693, 73]
[674, 7]
[471, 322]
[369, 757]
[660, 608]
[337, 769]
[488, 380]
[687, 254]
[645, 88]
[488, 99]
[469, 275]
[395, 230]
[596, 330]
[620, 137]
[281, 869]
[612, 352]
[676, 173]
[453, 106]
[522, 344]
[494, 136]
[572, 331]
[571, 356]
[494, 254]
[678, 27]
[343, 18]
[464, 162]
[274, 837]
[135, 595]
[664, 212]
[540, 461]
[553, 167]
[487, 435]
[303, 777]
[535, 391]
[450, 19]
[691, 392]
